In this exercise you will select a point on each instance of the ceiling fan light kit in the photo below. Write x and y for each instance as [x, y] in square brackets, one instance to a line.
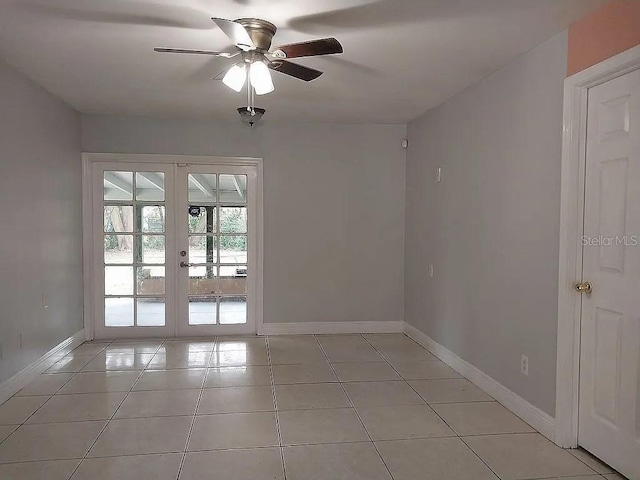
[236, 77]
[260, 78]
[252, 40]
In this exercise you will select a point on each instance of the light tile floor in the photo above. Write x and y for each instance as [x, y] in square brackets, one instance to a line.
[338, 407]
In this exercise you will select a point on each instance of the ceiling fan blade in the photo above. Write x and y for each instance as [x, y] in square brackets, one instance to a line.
[196, 52]
[295, 70]
[127, 13]
[387, 13]
[236, 33]
[324, 46]
[221, 75]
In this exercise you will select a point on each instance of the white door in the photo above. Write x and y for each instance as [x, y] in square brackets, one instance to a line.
[609, 406]
[216, 227]
[134, 245]
[175, 249]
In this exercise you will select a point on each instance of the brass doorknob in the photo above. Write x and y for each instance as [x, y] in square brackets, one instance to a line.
[584, 287]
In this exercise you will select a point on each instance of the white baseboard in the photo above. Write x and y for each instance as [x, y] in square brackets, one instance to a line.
[13, 385]
[324, 328]
[541, 421]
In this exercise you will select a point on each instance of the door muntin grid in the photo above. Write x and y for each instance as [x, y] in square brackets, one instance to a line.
[134, 248]
[218, 241]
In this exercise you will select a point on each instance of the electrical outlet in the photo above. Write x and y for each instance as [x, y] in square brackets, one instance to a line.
[524, 365]
[431, 271]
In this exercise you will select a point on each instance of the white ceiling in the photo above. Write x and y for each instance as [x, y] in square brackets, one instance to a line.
[401, 57]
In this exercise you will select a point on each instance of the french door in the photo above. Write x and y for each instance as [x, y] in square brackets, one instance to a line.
[215, 227]
[174, 249]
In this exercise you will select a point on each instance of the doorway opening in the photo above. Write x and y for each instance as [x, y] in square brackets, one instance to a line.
[174, 248]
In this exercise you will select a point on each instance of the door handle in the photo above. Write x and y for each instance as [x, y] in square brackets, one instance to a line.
[184, 264]
[584, 287]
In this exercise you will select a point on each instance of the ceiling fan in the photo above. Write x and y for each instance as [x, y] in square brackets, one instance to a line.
[252, 40]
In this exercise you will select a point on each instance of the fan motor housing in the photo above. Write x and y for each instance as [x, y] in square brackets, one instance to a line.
[260, 31]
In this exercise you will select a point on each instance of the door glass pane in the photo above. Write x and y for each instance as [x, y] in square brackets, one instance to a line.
[151, 219]
[150, 280]
[233, 189]
[202, 280]
[118, 249]
[202, 187]
[151, 249]
[118, 218]
[118, 280]
[150, 312]
[134, 249]
[233, 219]
[202, 310]
[150, 186]
[233, 249]
[118, 312]
[233, 310]
[233, 280]
[202, 219]
[118, 186]
[202, 249]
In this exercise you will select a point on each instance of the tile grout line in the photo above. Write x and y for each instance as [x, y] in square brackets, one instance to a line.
[195, 412]
[275, 406]
[79, 371]
[84, 457]
[314, 409]
[429, 405]
[145, 369]
[589, 466]
[74, 374]
[589, 476]
[450, 403]
[344, 390]
[462, 438]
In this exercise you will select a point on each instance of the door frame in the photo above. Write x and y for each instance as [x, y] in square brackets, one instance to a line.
[88, 159]
[571, 230]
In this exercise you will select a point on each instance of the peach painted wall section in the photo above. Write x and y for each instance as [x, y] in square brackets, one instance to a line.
[603, 33]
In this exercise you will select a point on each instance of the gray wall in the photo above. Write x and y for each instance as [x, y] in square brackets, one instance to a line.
[491, 227]
[40, 218]
[333, 207]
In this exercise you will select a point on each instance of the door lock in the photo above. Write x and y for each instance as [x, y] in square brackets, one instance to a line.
[584, 287]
